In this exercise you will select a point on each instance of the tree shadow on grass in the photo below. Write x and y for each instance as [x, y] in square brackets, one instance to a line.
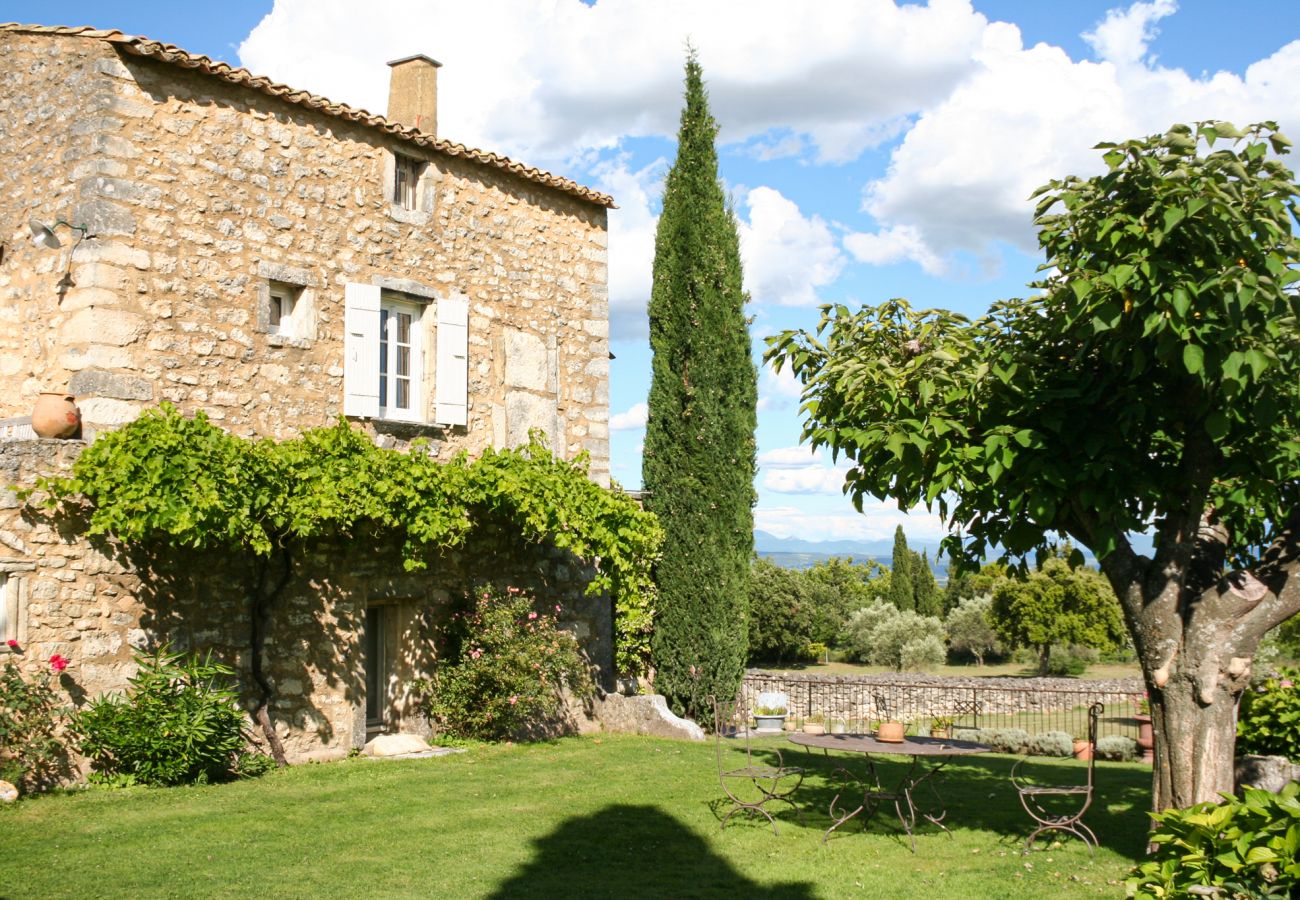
[634, 851]
[978, 795]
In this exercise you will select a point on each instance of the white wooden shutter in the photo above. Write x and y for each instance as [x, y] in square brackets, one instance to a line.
[451, 392]
[361, 350]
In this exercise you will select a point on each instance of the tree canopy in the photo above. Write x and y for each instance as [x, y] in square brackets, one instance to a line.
[1152, 382]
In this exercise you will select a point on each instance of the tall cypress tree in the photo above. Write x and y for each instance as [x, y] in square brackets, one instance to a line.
[925, 590]
[902, 593]
[698, 468]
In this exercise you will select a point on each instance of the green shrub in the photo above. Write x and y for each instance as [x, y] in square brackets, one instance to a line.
[1050, 743]
[1072, 661]
[815, 652]
[1248, 847]
[1268, 721]
[881, 635]
[250, 764]
[1004, 740]
[1117, 747]
[507, 665]
[177, 723]
[31, 756]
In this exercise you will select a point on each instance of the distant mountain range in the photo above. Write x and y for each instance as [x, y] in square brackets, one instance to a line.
[796, 553]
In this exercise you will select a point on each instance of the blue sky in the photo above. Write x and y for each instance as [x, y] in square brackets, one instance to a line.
[872, 149]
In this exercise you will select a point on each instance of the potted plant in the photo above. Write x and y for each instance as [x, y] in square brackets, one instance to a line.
[941, 727]
[1146, 736]
[770, 710]
[814, 724]
[1082, 748]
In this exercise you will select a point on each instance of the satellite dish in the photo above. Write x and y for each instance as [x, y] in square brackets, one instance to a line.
[43, 236]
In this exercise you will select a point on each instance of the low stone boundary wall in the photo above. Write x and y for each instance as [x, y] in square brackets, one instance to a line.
[1035, 704]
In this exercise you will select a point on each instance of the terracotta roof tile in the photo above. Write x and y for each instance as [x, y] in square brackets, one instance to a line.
[170, 53]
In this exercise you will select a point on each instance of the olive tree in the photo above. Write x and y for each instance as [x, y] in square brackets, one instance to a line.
[1152, 383]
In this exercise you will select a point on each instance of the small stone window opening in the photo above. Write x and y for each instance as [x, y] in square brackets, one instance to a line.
[6, 620]
[12, 599]
[285, 314]
[406, 178]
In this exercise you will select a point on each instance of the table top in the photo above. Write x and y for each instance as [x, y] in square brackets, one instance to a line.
[867, 743]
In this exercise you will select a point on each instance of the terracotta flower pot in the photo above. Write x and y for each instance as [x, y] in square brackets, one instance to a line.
[1082, 749]
[814, 728]
[56, 415]
[891, 732]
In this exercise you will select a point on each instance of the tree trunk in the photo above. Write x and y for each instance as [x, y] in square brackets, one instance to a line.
[1194, 745]
[1044, 652]
[259, 621]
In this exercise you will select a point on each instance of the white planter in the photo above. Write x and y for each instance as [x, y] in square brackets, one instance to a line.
[769, 723]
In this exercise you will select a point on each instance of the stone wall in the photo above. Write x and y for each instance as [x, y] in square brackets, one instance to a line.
[200, 193]
[96, 604]
[1057, 703]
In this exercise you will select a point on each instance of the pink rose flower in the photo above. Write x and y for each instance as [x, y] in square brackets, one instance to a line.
[13, 645]
[58, 663]
[514, 699]
[532, 615]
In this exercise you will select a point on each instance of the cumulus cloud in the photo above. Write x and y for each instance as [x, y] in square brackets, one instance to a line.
[786, 255]
[633, 417]
[800, 470]
[559, 77]
[876, 522]
[778, 390]
[789, 457]
[961, 178]
[631, 240]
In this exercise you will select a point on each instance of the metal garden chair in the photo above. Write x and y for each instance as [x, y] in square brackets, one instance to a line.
[1045, 803]
[754, 785]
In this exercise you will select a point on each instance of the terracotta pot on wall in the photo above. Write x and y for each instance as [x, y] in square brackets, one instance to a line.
[56, 415]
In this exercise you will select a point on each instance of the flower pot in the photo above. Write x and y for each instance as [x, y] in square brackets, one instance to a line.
[814, 728]
[945, 733]
[769, 723]
[1082, 749]
[891, 732]
[55, 415]
[1146, 738]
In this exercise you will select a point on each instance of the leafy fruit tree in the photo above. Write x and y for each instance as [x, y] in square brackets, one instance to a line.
[902, 588]
[1058, 604]
[1152, 383]
[698, 467]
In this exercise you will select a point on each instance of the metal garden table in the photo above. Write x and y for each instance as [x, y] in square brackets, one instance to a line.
[929, 756]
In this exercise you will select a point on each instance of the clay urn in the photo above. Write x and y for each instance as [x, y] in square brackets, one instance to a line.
[56, 415]
[891, 732]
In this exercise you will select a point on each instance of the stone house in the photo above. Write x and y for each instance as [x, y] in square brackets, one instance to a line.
[276, 260]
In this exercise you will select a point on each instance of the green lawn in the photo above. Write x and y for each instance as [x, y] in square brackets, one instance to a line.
[615, 816]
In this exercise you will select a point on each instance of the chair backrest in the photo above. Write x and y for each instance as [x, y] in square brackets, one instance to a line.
[1094, 719]
[730, 722]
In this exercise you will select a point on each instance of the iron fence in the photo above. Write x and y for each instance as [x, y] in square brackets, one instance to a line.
[856, 704]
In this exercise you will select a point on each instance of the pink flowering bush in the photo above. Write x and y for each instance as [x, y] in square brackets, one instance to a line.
[504, 664]
[32, 756]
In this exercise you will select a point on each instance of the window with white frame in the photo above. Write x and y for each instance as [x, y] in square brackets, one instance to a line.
[386, 372]
[282, 309]
[401, 367]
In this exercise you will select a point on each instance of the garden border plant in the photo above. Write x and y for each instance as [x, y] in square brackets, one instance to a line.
[170, 482]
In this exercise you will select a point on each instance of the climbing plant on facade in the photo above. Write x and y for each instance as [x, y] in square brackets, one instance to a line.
[166, 480]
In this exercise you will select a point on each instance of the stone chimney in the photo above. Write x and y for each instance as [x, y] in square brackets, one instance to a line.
[413, 93]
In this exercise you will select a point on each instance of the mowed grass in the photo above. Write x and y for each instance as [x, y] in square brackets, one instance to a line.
[610, 816]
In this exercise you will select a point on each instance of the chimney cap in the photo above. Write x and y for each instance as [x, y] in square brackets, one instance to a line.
[415, 56]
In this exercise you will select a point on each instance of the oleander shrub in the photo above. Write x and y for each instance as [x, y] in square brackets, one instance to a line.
[1245, 847]
[507, 665]
[1117, 748]
[1050, 743]
[178, 722]
[32, 756]
[1268, 721]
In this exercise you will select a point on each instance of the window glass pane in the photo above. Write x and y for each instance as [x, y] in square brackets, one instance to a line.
[276, 310]
[404, 361]
[403, 393]
[383, 357]
[404, 328]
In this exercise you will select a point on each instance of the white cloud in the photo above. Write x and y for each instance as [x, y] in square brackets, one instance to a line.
[789, 457]
[778, 390]
[631, 240]
[544, 81]
[876, 522]
[962, 176]
[631, 418]
[1123, 36]
[786, 255]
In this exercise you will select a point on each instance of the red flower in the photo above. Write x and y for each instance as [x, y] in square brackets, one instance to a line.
[58, 663]
[13, 645]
